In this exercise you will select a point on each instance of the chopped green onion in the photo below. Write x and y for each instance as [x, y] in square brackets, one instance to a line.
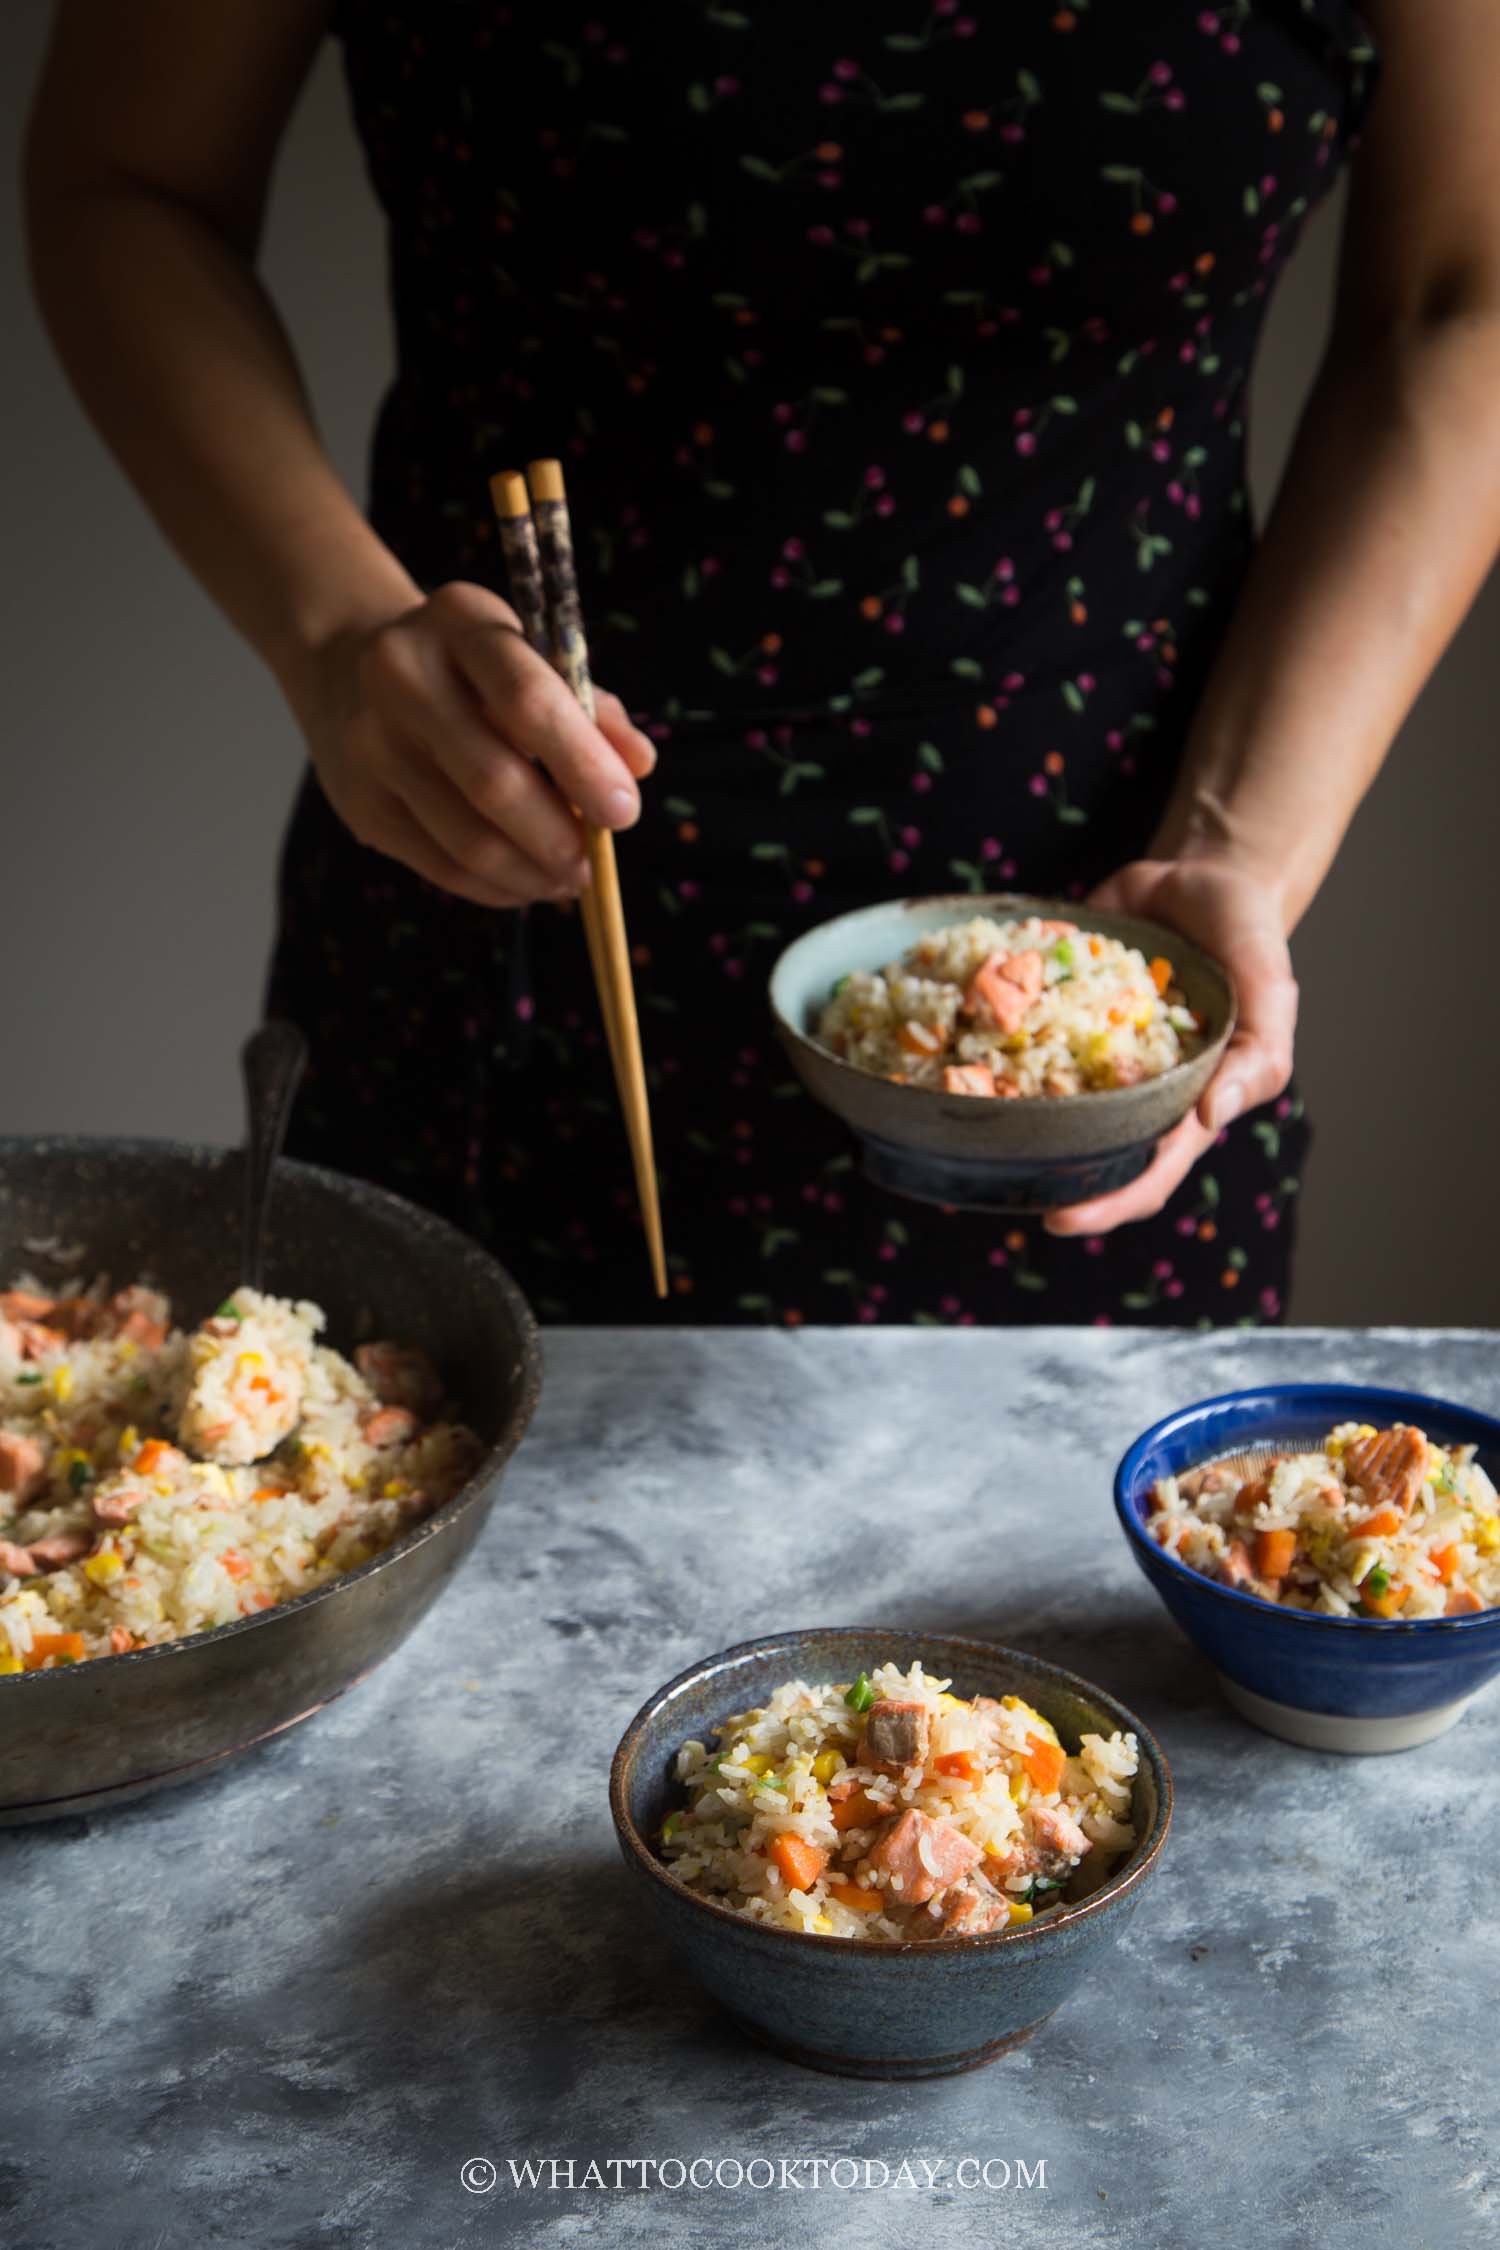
[28, 1378]
[229, 1310]
[1378, 1580]
[1062, 954]
[861, 1695]
[842, 984]
[79, 1474]
[140, 1382]
[669, 1826]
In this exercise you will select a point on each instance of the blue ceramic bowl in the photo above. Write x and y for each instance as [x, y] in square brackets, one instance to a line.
[966, 1149]
[853, 2005]
[1328, 1683]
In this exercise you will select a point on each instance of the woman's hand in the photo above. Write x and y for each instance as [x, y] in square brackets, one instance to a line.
[1236, 916]
[445, 741]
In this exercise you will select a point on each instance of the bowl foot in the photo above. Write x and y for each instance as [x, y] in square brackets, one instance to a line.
[886, 2066]
[974, 1183]
[1330, 1730]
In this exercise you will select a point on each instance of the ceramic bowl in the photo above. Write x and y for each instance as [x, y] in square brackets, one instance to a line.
[967, 1150]
[1328, 1683]
[853, 2005]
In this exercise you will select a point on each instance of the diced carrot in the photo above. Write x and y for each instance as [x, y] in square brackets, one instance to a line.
[1462, 1602]
[252, 1602]
[858, 1901]
[1044, 1764]
[268, 1492]
[801, 1863]
[962, 1765]
[1161, 973]
[858, 1811]
[154, 1454]
[1444, 1561]
[1386, 1604]
[237, 1565]
[1251, 1495]
[1273, 1553]
[919, 1039]
[53, 1644]
[1379, 1524]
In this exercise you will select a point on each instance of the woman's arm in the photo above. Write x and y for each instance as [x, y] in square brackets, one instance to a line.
[1385, 524]
[148, 164]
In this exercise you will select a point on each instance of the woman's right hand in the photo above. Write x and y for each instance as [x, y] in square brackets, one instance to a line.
[442, 739]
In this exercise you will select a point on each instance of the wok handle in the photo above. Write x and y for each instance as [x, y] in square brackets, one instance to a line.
[272, 1062]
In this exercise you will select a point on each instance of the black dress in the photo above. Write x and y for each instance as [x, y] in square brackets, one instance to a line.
[897, 355]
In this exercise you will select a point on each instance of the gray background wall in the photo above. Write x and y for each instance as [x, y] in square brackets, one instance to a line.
[148, 763]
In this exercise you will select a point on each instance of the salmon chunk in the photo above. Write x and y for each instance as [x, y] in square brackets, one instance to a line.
[966, 1911]
[1235, 1568]
[926, 1856]
[1004, 988]
[16, 1560]
[1389, 1466]
[23, 1469]
[401, 1375]
[1058, 1833]
[390, 1425]
[969, 1078]
[58, 1548]
[113, 1507]
[24, 1304]
[896, 1735]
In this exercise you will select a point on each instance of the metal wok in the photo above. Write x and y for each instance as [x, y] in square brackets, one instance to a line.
[104, 1731]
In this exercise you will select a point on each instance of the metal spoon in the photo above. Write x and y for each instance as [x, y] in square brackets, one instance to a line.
[272, 1062]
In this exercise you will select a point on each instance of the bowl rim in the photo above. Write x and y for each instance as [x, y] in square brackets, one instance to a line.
[1254, 1605]
[978, 902]
[1140, 1863]
[207, 1155]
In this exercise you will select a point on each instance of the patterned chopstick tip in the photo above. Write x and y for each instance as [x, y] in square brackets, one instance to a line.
[554, 533]
[523, 562]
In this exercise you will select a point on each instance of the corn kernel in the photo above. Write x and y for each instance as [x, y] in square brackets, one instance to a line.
[1020, 1788]
[130, 1438]
[822, 1923]
[106, 1565]
[1019, 1911]
[249, 1359]
[826, 1765]
[756, 1765]
[10, 1663]
[127, 1347]
[62, 1382]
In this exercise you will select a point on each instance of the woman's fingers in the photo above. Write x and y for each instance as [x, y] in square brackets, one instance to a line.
[534, 709]
[437, 716]
[394, 830]
[1258, 1060]
[637, 749]
[1143, 1198]
[488, 856]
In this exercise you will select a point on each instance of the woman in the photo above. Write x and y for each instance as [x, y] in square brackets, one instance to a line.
[898, 357]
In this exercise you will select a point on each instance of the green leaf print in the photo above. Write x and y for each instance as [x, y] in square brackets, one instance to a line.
[969, 482]
[1073, 697]
[970, 596]
[1123, 105]
[929, 755]
[966, 668]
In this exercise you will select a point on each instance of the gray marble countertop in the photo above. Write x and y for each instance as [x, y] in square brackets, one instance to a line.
[287, 2006]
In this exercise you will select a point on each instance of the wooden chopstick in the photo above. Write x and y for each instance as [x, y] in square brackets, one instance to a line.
[538, 547]
[523, 570]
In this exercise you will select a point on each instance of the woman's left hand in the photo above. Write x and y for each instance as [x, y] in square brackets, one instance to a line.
[1237, 917]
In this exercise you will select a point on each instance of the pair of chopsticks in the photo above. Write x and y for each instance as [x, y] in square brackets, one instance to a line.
[536, 538]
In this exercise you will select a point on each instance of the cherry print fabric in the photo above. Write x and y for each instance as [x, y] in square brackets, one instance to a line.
[898, 356]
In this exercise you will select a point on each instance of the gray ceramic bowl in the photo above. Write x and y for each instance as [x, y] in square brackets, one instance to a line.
[964, 1149]
[853, 2005]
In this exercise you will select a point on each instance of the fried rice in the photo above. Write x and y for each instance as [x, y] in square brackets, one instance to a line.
[1020, 1008]
[154, 1483]
[1374, 1523]
[889, 1808]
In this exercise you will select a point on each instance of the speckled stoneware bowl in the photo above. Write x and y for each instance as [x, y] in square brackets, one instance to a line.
[1327, 1683]
[853, 2005]
[966, 1149]
[117, 1727]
